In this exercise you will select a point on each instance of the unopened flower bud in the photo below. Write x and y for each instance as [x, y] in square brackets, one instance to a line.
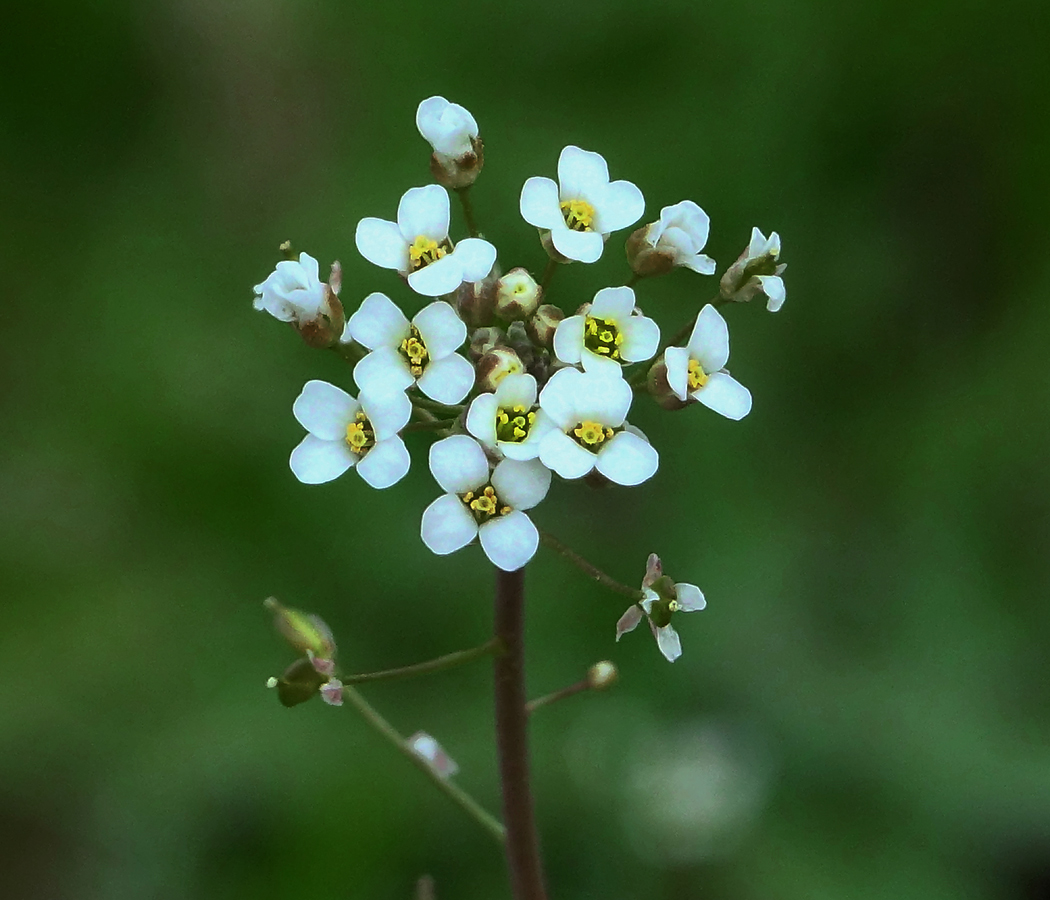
[602, 675]
[496, 365]
[299, 683]
[519, 341]
[676, 239]
[294, 293]
[544, 323]
[757, 271]
[453, 133]
[644, 258]
[658, 386]
[308, 634]
[517, 295]
[486, 339]
[476, 301]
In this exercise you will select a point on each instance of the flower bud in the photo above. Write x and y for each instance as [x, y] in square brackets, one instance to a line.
[517, 295]
[453, 133]
[756, 271]
[676, 239]
[496, 365]
[602, 675]
[308, 634]
[519, 341]
[544, 323]
[645, 259]
[660, 388]
[485, 339]
[476, 301]
[294, 293]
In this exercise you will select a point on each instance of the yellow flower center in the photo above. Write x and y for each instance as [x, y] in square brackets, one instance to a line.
[591, 435]
[579, 214]
[423, 251]
[697, 376]
[601, 336]
[414, 350]
[360, 436]
[484, 504]
[514, 424]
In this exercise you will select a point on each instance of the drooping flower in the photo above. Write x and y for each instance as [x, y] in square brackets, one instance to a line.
[588, 411]
[676, 239]
[508, 421]
[696, 370]
[483, 503]
[350, 433]
[417, 245]
[404, 353]
[453, 133]
[662, 598]
[583, 207]
[757, 271]
[611, 333]
[293, 292]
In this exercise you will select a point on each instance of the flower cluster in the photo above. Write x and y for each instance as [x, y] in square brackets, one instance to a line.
[514, 388]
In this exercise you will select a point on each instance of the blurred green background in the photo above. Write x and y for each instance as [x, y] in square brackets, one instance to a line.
[862, 711]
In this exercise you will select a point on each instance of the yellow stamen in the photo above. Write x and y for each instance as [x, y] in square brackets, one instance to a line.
[414, 350]
[423, 251]
[591, 434]
[484, 504]
[514, 424]
[697, 376]
[602, 336]
[360, 437]
[579, 214]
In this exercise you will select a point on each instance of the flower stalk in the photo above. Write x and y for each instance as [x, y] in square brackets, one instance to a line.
[588, 569]
[448, 661]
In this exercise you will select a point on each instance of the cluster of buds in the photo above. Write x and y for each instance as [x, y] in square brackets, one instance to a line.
[516, 390]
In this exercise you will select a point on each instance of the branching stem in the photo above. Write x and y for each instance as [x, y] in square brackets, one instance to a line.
[448, 661]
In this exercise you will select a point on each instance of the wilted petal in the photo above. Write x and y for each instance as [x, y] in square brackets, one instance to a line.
[628, 621]
[690, 597]
[668, 641]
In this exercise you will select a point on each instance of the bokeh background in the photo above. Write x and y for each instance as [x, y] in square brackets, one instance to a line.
[864, 708]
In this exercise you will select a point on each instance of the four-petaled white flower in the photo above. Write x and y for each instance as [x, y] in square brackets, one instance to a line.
[448, 127]
[680, 234]
[417, 244]
[487, 504]
[757, 271]
[345, 433]
[294, 292]
[662, 598]
[696, 369]
[404, 353]
[588, 411]
[509, 421]
[583, 207]
[612, 332]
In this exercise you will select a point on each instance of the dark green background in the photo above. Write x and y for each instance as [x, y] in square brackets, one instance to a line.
[862, 711]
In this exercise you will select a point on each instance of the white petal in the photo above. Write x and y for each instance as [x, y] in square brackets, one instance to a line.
[614, 303]
[386, 463]
[517, 389]
[447, 380]
[568, 339]
[583, 246]
[558, 397]
[381, 243]
[383, 370]
[580, 172]
[618, 205]
[602, 399]
[628, 459]
[690, 597]
[324, 410]
[641, 338]
[476, 258]
[725, 395]
[447, 126]
[757, 245]
[509, 541]
[689, 217]
[709, 342]
[700, 263]
[561, 453]
[437, 278]
[773, 288]
[601, 365]
[388, 411]
[521, 485]
[668, 641]
[481, 418]
[677, 362]
[539, 203]
[447, 525]
[315, 461]
[441, 329]
[628, 621]
[459, 464]
[378, 323]
[424, 211]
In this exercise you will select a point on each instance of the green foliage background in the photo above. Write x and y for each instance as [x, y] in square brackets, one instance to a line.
[862, 711]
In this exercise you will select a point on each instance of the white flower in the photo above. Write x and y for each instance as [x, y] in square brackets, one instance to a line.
[417, 244]
[680, 235]
[508, 421]
[489, 506]
[427, 748]
[662, 598]
[696, 370]
[588, 412]
[447, 127]
[294, 292]
[345, 433]
[613, 331]
[583, 207]
[404, 353]
[757, 271]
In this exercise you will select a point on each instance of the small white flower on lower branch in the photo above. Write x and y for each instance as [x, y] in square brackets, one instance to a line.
[509, 422]
[588, 411]
[350, 433]
[663, 597]
[611, 333]
[758, 270]
[483, 503]
[696, 370]
[404, 353]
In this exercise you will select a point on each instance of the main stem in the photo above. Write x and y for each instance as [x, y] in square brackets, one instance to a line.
[522, 845]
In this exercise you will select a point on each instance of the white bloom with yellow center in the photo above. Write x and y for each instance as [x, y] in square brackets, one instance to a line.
[696, 370]
[588, 411]
[294, 292]
[681, 233]
[662, 598]
[448, 127]
[347, 433]
[417, 244]
[508, 421]
[611, 333]
[484, 503]
[404, 353]
[583, 207]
